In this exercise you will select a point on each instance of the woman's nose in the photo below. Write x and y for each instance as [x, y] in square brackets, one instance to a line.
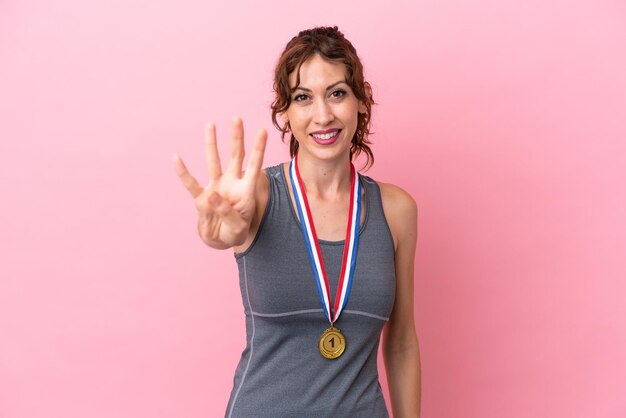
[323, 113]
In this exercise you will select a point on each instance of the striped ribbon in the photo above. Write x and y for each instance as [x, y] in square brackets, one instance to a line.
[315, 255]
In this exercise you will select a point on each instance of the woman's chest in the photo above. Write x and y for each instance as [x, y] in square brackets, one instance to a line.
[277, 276]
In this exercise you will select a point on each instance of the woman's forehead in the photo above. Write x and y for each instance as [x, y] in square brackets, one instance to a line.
[317, 72]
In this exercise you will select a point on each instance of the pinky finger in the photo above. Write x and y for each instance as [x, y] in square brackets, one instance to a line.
[190, 183]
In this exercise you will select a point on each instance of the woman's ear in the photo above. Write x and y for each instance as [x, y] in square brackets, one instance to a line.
[285, 120]
[368, 94]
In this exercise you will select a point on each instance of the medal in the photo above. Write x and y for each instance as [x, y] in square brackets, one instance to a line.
[332, 343]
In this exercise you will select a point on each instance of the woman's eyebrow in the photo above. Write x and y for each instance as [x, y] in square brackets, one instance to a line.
[327, 88]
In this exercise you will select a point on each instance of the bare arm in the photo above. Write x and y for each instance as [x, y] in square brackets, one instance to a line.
[400, 344]
[228, 204]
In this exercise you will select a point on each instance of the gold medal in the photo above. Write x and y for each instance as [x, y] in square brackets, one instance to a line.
[332, 343]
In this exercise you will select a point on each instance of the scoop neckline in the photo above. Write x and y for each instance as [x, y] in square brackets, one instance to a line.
[294, 216]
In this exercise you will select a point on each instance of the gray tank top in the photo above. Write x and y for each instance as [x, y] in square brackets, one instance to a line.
[281, 372]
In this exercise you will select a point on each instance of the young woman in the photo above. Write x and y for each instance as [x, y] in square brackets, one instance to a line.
[325, 254]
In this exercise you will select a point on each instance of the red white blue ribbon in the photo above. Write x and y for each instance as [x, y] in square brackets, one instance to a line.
[312, 243]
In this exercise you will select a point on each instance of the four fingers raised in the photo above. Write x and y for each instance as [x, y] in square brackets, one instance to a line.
[234, 226]
[213, 159]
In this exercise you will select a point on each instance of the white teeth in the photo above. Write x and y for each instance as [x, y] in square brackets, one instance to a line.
[325, 136]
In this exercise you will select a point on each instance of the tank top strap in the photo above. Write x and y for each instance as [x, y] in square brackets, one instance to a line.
[275, 176]
[374, 210]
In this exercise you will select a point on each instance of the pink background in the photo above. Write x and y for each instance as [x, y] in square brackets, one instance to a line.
[505, 119]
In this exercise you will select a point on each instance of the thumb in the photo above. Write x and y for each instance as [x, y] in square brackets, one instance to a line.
[231, 219]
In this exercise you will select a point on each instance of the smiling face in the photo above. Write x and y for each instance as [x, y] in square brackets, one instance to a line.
[323, 112]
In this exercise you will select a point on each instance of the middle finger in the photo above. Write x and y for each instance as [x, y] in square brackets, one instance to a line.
[212, 155]
[237, 149]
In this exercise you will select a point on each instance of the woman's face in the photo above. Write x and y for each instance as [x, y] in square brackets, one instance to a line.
[323, 113]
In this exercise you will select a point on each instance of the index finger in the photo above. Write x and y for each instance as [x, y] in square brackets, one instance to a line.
[256, 157]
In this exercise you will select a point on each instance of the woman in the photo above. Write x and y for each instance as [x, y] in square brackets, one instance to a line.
[312, 231]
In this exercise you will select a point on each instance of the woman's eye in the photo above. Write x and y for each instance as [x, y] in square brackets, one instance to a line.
[299, 98]
[338, 93]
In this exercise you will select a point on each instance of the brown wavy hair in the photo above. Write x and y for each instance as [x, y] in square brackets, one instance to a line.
[330, 44]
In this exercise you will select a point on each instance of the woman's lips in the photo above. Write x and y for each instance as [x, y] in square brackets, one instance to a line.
[327, 137]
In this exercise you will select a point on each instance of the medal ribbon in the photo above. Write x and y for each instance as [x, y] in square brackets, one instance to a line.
[315, 254]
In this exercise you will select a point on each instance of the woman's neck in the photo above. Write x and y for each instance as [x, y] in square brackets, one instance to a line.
[325, 179]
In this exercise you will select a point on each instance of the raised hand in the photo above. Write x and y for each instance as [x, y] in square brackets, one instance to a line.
[226, 205]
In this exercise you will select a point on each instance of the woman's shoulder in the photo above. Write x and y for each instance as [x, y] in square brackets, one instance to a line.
[397, 200]
[400, 212]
